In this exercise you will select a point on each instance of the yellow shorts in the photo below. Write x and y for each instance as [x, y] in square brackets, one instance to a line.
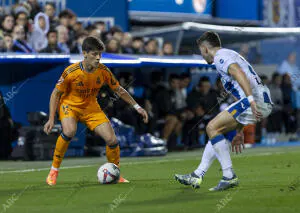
[91, 118]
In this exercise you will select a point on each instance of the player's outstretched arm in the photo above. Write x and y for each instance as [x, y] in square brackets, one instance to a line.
[122, 93]
[236, 72]
[54, 99]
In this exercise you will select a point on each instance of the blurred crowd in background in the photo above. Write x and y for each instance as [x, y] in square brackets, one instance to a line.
[30, 28]
[179, 109]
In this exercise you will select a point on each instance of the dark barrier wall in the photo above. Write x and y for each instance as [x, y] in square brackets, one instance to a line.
[27, 86]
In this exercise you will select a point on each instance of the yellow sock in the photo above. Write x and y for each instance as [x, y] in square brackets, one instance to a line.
[113, 154]
[60, 150]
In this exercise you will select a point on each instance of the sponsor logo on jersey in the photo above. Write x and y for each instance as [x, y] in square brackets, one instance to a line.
[80, 84]
[98, 80]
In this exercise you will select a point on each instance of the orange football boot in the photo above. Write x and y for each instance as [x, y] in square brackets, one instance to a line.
[51, 179]
[123, 180]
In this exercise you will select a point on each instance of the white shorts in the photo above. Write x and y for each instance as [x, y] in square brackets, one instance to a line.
[242, 112]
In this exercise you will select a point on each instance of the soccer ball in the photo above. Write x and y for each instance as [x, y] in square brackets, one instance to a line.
[108, 173]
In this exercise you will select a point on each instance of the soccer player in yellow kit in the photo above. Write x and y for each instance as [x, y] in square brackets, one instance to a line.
[75, 98]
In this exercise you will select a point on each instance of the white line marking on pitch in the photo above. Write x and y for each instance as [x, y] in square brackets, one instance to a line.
[125, 163]
[85, 166]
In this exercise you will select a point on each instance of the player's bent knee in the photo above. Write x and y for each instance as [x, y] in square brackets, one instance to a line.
[69, 132]
[111, 140]
[65, 137]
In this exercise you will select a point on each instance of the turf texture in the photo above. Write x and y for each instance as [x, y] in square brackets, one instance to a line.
[269, 182]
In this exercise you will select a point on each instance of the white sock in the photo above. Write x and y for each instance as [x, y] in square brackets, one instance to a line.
[208, 157]
[53, 168]
[221, 148]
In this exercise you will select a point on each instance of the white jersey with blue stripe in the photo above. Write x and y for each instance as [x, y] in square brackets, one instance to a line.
[223, 59]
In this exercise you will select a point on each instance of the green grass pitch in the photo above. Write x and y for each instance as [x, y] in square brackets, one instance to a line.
[269, 182]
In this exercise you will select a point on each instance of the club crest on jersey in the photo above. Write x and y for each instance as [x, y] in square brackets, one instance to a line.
[221, 61]
[98, 80]
[60, 80]
[80, 84]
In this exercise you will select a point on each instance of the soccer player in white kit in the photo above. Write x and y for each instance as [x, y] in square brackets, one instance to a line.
[253, 104]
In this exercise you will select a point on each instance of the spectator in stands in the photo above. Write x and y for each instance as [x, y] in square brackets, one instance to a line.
[52, 46]
[167, 49]
[126, 43]
[77, 48]
[35, 8]
[115, 32]
[72, 32]
[66, 18]
[63, 38]
[73, 19]
[195, 127]
[289, 66]
[289, 118]
[8, 43]
[7, 23]
[93, 31]
[113, 46]
[204, 94]
[50, 10]
[19, 38]
[22, 19]
[151, 47]
[38, 39]
[164, 100]
[78, 28]
[276, 95]
[101, 26]
[138, 45]
[185, 83]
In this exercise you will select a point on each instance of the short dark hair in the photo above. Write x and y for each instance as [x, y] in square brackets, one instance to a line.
[99, 22]
[203, 79]
[67, 13]
[167, 43]
[81, 34]
[275, 75]
[52, 30]
[173, 76]
[51, 4]
[90, 28]
[138, 39]
[5, 16]
[185, 75]
[19, 13]
[115, 29]
[7, 34]
[211, 37]
[151, 40]
[92, 44]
